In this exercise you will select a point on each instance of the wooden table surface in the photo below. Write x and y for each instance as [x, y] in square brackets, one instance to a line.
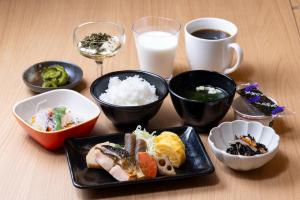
[35, 30]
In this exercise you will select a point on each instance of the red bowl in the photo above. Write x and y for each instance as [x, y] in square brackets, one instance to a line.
[74, 101]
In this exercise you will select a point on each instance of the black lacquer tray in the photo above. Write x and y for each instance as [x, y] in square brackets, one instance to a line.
[197, 162]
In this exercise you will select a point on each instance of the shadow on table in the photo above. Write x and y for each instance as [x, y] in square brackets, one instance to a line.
[242, 74]
[209, 180]
[82, 86]
[281, 127]
[41, 148]
[272, 169]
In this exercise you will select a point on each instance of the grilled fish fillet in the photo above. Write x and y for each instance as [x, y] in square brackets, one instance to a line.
[116, 161]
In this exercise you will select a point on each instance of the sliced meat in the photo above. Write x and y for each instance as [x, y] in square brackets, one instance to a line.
[141, 146]
[130, 140]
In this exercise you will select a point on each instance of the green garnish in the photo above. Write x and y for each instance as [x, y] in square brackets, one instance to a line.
[148, 137]
[58, 113]
[95, 40]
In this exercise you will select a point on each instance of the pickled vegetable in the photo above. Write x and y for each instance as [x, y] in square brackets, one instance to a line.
[54, 76]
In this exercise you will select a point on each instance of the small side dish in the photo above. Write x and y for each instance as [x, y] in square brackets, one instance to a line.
[53, 116]
[54, 119]
[244, 111]
[51, 75]
[143, 155]
[243, 152]
[246, 145]
[254, 105]
[260, 101]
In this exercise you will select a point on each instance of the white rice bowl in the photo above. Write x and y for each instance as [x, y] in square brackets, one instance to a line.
[132, 91]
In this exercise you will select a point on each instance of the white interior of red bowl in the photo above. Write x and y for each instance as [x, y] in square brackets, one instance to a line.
[74, 101]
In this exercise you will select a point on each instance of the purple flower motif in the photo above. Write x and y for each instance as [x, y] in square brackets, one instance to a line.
[251, 87]
[277, 110]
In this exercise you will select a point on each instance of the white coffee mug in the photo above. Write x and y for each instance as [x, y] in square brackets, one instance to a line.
[212, 55]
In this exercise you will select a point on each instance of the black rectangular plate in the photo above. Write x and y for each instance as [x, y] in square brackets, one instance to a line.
[197, 161]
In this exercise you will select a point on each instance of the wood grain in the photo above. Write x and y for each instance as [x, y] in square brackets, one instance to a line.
[297, 18]
[36, 30]
[295, 4]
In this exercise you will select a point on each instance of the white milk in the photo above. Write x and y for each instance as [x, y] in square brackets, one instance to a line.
[156, 52]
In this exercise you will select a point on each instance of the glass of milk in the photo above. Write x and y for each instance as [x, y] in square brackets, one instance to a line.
[156, 39]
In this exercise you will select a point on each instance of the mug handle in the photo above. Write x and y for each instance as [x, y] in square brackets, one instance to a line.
[239, 53]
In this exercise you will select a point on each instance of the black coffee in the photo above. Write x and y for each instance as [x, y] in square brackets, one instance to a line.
[210, 34]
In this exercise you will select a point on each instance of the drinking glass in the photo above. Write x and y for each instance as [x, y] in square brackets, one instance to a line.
[107, 50]
[156, 40]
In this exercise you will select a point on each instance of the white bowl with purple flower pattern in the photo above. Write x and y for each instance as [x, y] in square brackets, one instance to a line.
[220, 137]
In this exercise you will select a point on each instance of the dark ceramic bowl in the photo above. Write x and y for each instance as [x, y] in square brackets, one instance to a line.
[33, 79]
[203, 115]
[130, 116]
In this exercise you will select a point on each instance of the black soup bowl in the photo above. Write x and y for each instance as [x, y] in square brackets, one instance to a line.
[129, 116]
[203, 115]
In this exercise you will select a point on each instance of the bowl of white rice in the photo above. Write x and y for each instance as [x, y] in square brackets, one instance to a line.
[130, 97]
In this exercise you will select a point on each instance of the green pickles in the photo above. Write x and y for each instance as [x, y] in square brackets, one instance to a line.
[54, 76]
[63, 78]
[49, 84]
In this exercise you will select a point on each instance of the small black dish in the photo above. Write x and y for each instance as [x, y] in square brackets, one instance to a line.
[33, 79]
[129, 116]
[197, 161]
[202, 115]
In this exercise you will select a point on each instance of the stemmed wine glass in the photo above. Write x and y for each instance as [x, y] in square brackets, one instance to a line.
[98, 40]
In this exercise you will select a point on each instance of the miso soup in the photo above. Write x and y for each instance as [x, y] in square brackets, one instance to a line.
[205, 93]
